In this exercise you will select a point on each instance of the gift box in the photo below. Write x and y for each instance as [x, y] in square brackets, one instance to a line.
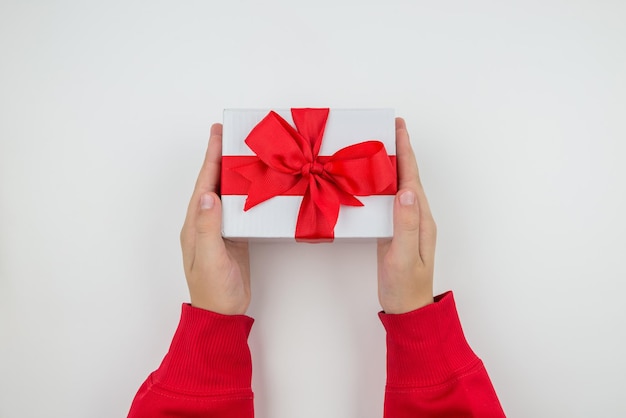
[313, 175]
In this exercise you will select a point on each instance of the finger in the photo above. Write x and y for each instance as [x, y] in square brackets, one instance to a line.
[408, 178]
[408, 171]
[209, 177]
[208, 181]
[208, 234]
[406, 224]
[408, 174]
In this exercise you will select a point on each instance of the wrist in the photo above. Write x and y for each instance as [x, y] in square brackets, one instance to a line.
[220, 307]
[407, 306]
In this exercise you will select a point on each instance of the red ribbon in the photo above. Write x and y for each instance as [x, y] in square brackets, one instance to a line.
[287, 163]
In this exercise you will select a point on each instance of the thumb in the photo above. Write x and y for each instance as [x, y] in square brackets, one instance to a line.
[406, 222]
[208, 228]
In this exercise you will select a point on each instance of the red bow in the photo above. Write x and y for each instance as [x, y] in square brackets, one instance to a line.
[287, 163]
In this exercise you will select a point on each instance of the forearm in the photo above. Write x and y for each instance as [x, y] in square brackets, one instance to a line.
[431, 370]
[206, 373]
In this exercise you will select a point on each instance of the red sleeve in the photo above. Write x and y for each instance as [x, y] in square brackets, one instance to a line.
[206, 373]
[431, 370]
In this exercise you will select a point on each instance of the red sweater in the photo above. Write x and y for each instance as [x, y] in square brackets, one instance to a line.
[431, 370]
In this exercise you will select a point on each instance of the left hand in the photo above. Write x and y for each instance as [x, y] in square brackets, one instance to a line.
[217, 270]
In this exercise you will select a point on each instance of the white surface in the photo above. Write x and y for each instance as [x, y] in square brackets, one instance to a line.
[277, 217]
[516, 111]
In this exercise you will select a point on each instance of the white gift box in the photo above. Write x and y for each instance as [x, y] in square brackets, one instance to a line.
[276, 218]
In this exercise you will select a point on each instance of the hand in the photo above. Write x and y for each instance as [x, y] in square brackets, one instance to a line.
[406, 262]
[217, 270]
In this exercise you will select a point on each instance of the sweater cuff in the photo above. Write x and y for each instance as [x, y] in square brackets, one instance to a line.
[426, 346]
[209, 354]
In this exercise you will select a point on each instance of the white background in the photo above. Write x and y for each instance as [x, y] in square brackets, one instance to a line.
[517, 113]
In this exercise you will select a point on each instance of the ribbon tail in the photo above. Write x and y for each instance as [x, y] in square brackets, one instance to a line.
[318, 214]
[348, 199]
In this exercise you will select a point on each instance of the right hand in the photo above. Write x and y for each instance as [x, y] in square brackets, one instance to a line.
[406, 262]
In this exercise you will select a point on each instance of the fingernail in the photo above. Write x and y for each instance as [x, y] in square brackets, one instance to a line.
[407, 198]
[207, 201]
